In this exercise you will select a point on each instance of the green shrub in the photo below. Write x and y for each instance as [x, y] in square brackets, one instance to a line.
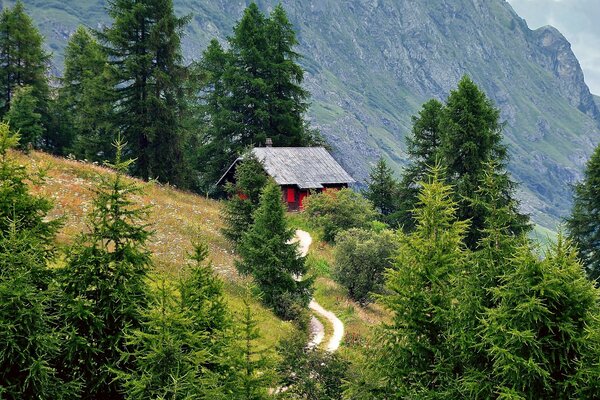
[334, 211]
[361, 258]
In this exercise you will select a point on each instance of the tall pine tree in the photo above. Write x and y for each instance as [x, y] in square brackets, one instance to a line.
[253, 90]
[23, 60]
[472, 139]
[144, 47]
[86, 97]
[584, 220]
[423, 147]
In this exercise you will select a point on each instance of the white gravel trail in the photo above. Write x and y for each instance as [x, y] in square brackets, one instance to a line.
[317, 329]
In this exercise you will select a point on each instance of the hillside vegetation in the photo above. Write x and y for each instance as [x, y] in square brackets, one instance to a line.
[178, 218]
[371, 65]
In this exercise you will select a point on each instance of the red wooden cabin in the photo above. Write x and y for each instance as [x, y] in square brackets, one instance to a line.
[298, 170]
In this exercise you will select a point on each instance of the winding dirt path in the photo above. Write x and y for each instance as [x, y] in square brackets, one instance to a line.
[317, 329]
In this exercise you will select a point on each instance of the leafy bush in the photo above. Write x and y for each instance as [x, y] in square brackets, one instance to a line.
[334, 211]
[361, 257]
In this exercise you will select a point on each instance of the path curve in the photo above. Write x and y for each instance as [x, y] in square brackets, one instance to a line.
[316, 327]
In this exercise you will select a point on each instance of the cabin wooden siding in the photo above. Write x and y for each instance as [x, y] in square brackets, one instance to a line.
[294, 197]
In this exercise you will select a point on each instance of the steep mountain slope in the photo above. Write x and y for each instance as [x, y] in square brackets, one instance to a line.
[371, 64]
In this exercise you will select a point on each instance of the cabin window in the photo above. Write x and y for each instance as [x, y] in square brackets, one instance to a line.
[291, 195]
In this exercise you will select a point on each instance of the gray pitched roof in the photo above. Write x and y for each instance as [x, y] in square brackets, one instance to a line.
[306, 167]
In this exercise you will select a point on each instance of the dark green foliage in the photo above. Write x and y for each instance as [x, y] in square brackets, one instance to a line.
[542, 336]
[465, 136]
[29, 337]
[411, 357]
[23, 118]
[310, 373]
[244, 197]
[383, 189]
[169, 352]
[22, 57]
[272, 260]
[86, 97]
[144, 47]
[334, 211]
[104, 285]
[252, 91]
[472, 140]
[361, 258]
[252, 369]
[17, 205]
[423, 147]
[584, 220]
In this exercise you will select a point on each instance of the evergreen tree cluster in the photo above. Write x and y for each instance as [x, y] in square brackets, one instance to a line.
[252, 91]
[91, 326]
[184, 123]
[494, 322]
[464, 135]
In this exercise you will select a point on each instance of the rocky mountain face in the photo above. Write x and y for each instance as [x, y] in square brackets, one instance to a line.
[372, 63]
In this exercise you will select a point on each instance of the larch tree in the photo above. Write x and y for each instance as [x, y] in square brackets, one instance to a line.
[542, 336]
[471, 140]
[30, 333]
[423, 147]
[86, 97]
[244, 198]
[23, 117]
[411, 356]
[272, 260]
[104, 284]
[382, 190]
[255, 91]
[144, 47]
[584, 220]
[23, 60]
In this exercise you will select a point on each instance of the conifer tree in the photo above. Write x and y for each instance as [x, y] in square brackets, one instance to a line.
[17, 205]
[168, 351]
[23, 118]
[255, 91]
[244, 198]
[272, 260]
[23, 60]
[472, 139]
[253, 376]
[104, 284]
[423, 147]
[86, 97]
[411, 357]
[144, 47]
[29, 334]
[383, 188]
[584, 220]
[542, 336]
[288, 100]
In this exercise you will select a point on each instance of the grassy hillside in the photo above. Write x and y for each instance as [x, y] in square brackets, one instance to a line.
[177, 219]
[370, 65]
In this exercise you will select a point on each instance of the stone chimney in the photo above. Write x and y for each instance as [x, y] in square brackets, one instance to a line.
[269, 142]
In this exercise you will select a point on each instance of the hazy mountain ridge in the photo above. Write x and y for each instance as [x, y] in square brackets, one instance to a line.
[372, 63]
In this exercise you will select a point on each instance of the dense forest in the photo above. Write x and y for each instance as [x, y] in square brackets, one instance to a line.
[471, 307]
